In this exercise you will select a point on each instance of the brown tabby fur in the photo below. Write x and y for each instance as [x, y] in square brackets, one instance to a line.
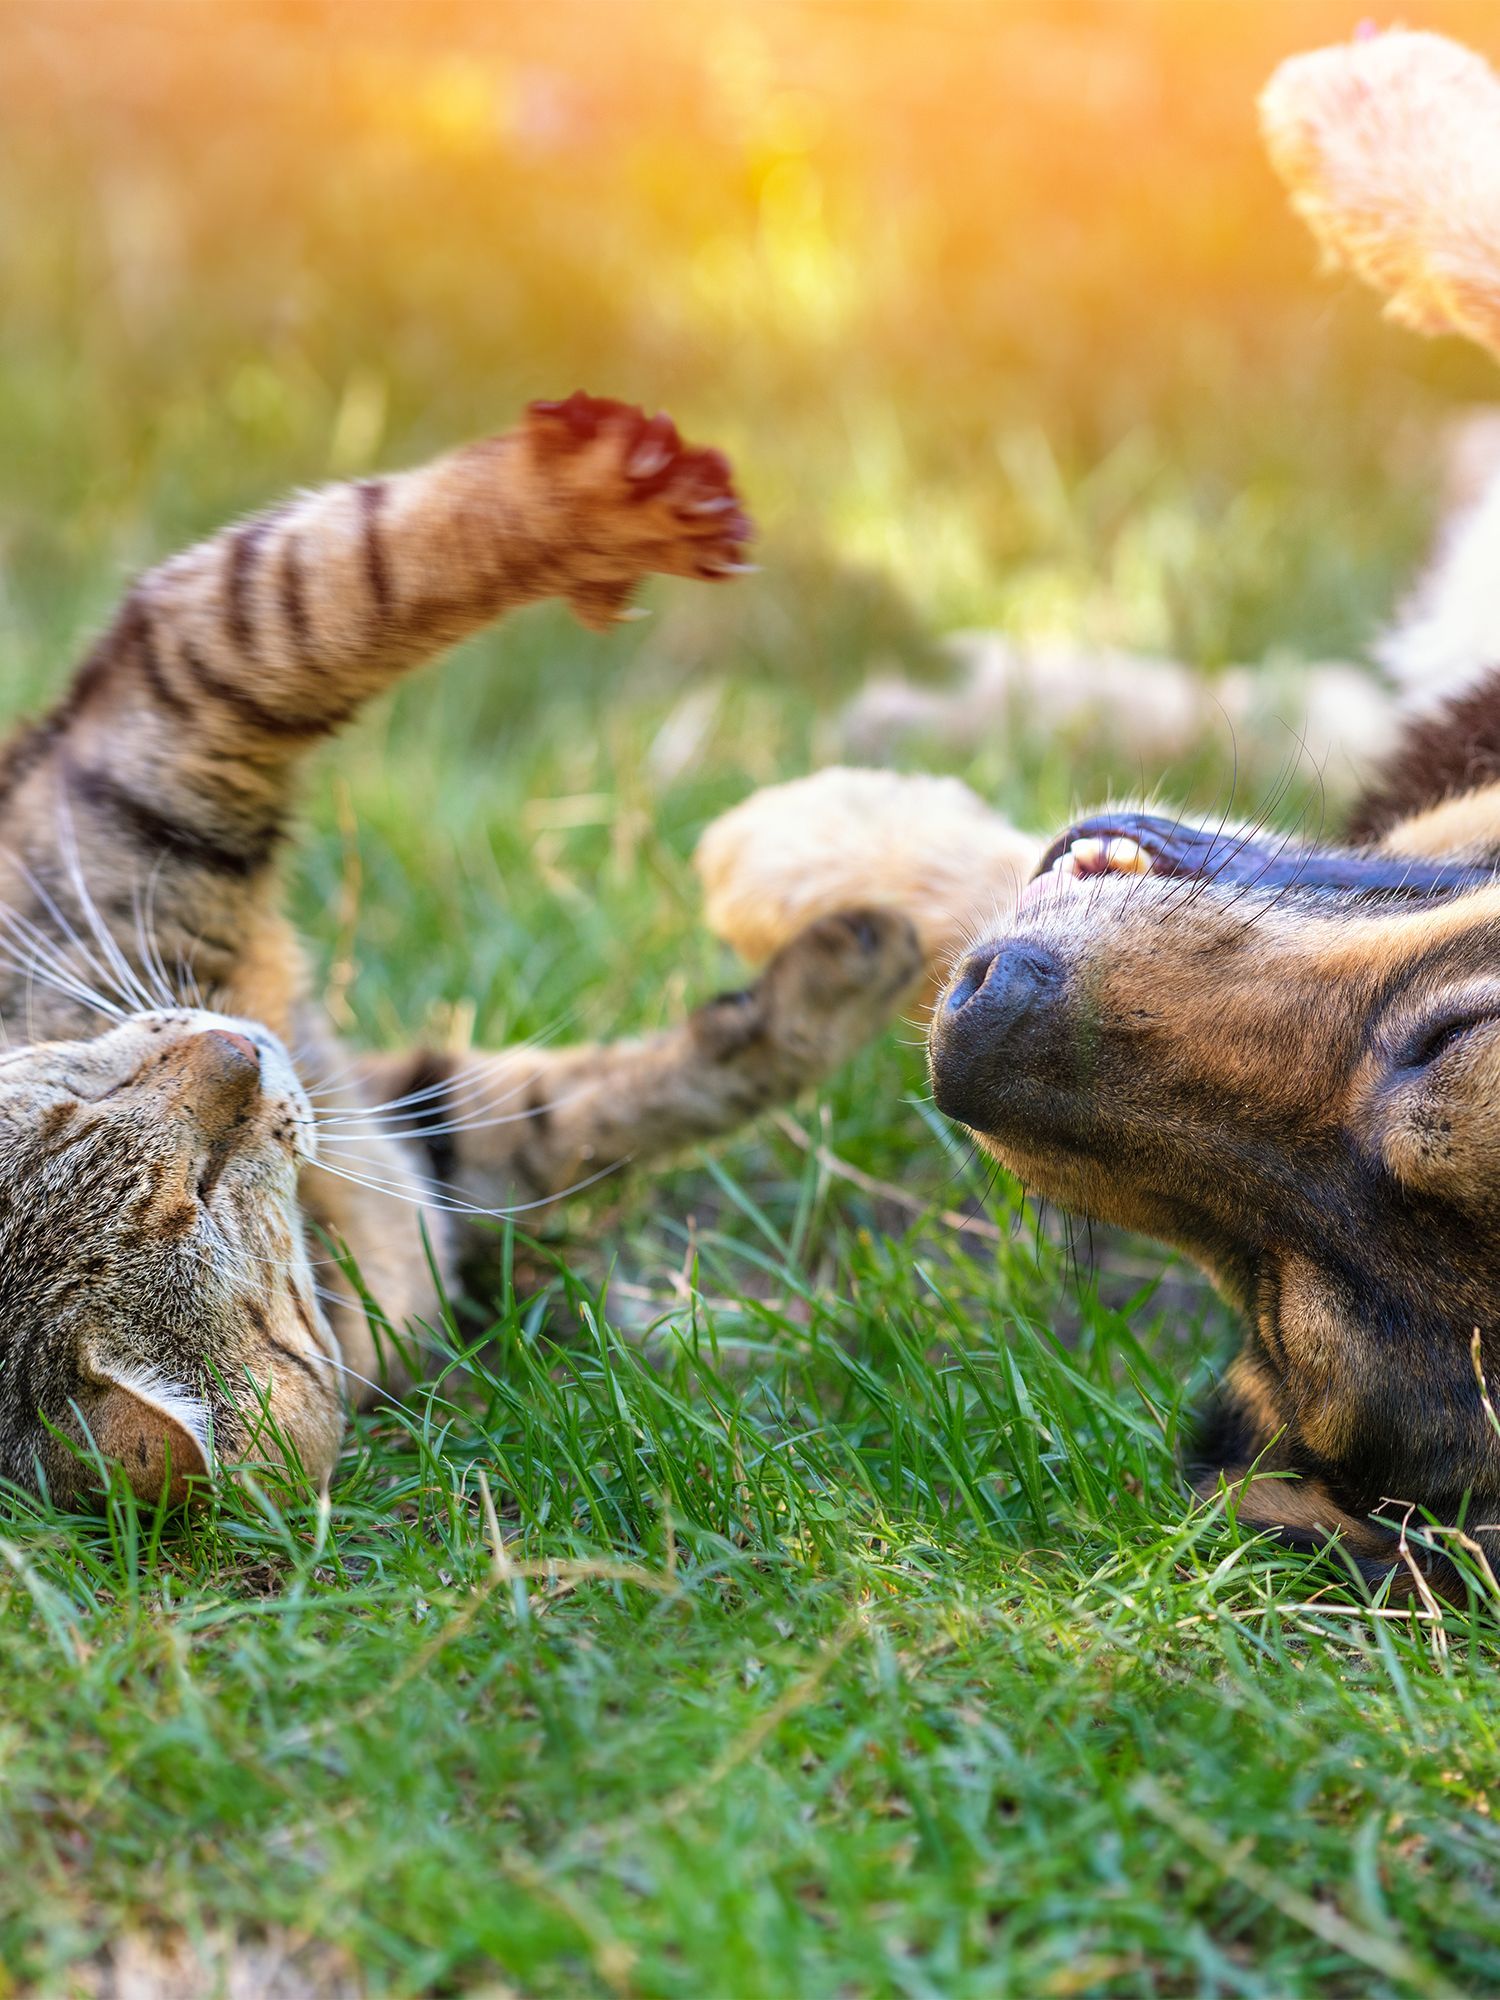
[166, 1290]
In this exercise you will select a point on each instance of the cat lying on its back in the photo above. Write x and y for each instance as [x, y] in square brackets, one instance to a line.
[161, 1289]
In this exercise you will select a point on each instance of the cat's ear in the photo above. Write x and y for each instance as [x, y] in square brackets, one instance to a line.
[158, 1431]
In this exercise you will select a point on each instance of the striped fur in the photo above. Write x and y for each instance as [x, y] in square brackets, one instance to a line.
[165, 1292]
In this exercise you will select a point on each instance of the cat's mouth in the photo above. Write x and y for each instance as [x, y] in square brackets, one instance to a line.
[1143, 845]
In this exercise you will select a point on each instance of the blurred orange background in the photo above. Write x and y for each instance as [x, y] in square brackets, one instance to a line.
[998, 306]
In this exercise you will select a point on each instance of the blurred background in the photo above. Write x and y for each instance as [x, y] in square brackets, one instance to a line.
[998, 308]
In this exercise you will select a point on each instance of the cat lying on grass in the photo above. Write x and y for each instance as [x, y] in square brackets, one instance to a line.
[180, 1134]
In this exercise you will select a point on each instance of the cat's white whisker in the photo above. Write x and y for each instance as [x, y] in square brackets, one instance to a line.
[34, 969]
[478, 1099]
[334, 1133]
[126, 979]
[447, 1205]
[476, 1077]
[34, 974]
[146, 934]
[189, 980]
[467, 1091]
[40, 941]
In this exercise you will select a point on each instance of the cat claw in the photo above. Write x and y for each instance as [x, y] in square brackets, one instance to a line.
[647, 460]
[678, 510]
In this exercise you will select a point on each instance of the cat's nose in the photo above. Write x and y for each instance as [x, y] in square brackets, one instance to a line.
[216, 1074]
[229, 1049]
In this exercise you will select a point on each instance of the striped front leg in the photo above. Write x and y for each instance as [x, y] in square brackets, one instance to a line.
[173, 755]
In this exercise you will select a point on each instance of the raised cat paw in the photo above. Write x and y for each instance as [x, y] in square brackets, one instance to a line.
[638, 499]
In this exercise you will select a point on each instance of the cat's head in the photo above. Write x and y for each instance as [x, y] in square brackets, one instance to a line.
[157, 1298]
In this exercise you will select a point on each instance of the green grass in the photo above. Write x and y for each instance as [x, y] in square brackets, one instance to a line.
[855, 1633]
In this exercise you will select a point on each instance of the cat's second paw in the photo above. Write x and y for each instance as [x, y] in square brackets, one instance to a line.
[834, 987]
[636, 498]
[864, 959]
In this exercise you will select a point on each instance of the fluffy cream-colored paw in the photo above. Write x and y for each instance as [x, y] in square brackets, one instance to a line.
[1390, 147]
[927, 847]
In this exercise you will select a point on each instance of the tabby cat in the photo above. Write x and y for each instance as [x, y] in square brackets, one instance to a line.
[168, 1298]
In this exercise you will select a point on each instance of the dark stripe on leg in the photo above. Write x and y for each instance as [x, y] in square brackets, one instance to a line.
[254, 713]
[239, 568]
[294, 599]
[135, 632]
[377, 569]
[155, 833]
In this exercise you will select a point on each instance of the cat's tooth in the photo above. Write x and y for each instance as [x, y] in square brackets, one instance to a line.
[721, 503]
[1064, 866]
[733, 569]
[1124, 856]
[631, 613]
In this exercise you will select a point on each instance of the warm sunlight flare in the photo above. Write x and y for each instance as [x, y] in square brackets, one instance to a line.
[748, 1158]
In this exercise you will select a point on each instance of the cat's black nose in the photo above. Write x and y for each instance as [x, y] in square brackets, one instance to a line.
[1000, 1011]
